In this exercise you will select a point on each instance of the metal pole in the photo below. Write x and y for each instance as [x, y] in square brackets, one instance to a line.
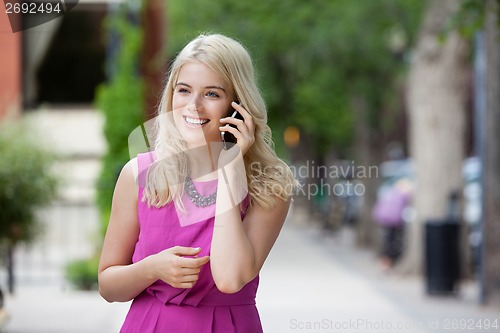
[10, 268]
[479, 139]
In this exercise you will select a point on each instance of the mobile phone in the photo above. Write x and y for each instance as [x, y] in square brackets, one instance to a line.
[229, 137]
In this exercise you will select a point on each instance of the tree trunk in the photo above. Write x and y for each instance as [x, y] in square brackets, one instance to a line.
[367, 151]
[491, 168]
[436, 103]
[153, 54]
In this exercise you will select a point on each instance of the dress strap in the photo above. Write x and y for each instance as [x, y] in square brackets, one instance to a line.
[144, 161]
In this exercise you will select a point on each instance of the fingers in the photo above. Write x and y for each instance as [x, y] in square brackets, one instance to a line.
[179, 266]
[186, 272]
[240, 124]
[234, 131]
[201, 261]
[245, 129]
[247, 122]
[190, 271]
[185, 251]
[192, 262]
[186, 281]
[182, 281]
[244, 113]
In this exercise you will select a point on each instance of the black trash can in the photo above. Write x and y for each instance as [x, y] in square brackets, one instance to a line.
[442, 259]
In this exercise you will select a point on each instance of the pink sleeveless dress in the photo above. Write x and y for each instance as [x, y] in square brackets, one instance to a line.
[203, 308]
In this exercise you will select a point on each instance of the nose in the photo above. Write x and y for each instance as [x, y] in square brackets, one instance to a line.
[196, 102]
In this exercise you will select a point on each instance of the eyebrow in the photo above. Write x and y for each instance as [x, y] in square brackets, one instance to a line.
[207, 87]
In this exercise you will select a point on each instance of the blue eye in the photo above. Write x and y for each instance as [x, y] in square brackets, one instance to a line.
[183, 90]
[212, 94]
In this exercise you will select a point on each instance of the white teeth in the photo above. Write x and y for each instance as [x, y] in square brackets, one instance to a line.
[194, 121]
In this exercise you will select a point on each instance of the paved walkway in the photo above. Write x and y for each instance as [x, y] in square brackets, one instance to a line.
[314, 282]
[311, 282]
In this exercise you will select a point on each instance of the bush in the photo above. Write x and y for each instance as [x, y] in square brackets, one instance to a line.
[27, 183]
[83, 273]
[122, 102]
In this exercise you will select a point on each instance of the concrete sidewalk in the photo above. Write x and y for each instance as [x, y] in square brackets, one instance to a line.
[317, 282]
[311, 282]
[39, 309]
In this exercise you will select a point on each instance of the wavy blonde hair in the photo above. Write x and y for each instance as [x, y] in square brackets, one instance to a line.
[268, 177]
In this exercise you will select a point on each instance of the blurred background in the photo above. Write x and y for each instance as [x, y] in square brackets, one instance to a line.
[387, 111]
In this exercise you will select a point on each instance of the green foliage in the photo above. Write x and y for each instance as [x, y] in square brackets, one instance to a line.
[313, 56]
[83, 273]
[470, 18]
[121, 99]
[27, 182]
[122, 102]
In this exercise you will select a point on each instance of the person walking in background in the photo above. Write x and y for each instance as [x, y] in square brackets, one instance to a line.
[193, 221]
[388, 213]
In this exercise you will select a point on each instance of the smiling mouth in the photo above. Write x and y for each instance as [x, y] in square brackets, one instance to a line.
[195, 121]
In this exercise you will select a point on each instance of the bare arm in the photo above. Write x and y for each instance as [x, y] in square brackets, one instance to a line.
[239, 249]
[119, 279]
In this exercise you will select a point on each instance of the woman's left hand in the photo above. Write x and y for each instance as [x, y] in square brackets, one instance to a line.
[244, 131]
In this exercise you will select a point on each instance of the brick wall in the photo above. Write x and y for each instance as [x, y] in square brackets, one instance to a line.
[10, 68]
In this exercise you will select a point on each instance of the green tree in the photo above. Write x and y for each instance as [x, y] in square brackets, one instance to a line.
[490, 292]
[331, 68]
[312, 56]
[27, 183]
[121, 99]
[468, 17]
[437, 98]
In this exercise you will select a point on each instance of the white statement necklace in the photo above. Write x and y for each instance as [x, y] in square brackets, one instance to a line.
[196, 198]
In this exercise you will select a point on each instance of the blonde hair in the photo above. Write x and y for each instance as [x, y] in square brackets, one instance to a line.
[268, 177]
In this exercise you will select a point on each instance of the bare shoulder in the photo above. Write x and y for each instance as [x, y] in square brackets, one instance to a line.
[124, 203]
[131, 168]
[126, 185]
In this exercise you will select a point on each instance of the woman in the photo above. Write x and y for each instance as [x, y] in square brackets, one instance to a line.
[192, 222]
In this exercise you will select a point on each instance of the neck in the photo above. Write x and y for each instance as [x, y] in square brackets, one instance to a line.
[203, 162]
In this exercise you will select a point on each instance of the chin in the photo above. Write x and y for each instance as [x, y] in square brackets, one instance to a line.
[194, 142]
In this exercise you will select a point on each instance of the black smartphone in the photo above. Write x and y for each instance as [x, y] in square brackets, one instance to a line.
[229, 137]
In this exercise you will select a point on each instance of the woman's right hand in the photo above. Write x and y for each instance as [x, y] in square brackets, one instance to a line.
[173, 266]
